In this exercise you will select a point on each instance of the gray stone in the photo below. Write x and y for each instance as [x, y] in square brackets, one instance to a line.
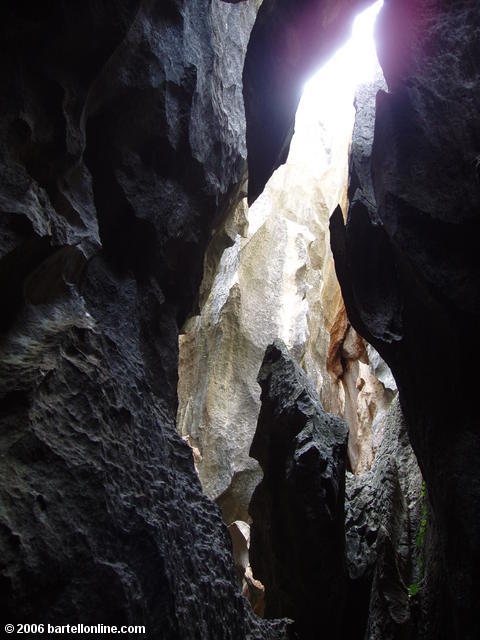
[409, 271]
[122, 142]
[297, 541]
[383, 509]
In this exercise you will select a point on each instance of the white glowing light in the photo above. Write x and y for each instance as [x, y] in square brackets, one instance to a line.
[328, 96]
[361, 47]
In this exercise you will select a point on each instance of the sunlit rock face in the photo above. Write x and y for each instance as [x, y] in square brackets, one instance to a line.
[278, 280]
[366, 399]
[252, 589]
[122, 139]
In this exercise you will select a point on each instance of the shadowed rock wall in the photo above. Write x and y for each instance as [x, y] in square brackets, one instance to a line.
[408, 265]
[297, 535]
[345, 573]
[122, 140]
[383, 511]
[409, 268]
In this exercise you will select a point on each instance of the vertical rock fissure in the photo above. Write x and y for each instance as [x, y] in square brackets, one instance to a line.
[269, 273]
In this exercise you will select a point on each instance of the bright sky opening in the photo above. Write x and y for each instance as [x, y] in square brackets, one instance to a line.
[331, 90]
[324, 122]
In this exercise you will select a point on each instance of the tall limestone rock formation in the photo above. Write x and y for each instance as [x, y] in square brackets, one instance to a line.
[298, 543]
[277, 280]
[410, 274]
[122, 139]
[409, 269]
[122, 146]
[344, 557]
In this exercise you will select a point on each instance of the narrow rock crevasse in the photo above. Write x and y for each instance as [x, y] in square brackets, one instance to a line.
[126, 131]
[277, 279]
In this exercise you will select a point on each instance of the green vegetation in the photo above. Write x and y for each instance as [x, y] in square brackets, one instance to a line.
[420, 544]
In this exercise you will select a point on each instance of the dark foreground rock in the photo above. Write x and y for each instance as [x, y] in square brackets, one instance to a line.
[366, 572]
[103, 519]
[122, 141]
[297, 536]
[385, 555]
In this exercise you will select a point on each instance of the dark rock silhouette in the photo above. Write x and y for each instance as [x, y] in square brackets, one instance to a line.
[297, 536]
[117, 157]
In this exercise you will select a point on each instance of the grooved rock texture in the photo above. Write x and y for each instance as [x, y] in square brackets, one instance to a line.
[122, 141]
[343, 572]
[297, 535]
[408, 265]
[383, 509]
[291, 39]
[277, 279]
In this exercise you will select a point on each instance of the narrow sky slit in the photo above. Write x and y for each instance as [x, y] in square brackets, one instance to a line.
[330, 91]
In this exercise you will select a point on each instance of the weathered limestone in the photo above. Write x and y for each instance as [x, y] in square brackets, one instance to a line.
[252, 589]
[122, 138]
[409, 270]
[297, 535]
[383, 509]
[300, 526]
[276, 281]
[116, 140]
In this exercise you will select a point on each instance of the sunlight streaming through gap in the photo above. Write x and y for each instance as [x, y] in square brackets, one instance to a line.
[329, 94]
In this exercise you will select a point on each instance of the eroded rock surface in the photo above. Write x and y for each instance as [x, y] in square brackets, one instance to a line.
[409, 269]
[277, 279]
[297, 535]
[299, 527]
[122, 140]
[290, 40]
[383, 510]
